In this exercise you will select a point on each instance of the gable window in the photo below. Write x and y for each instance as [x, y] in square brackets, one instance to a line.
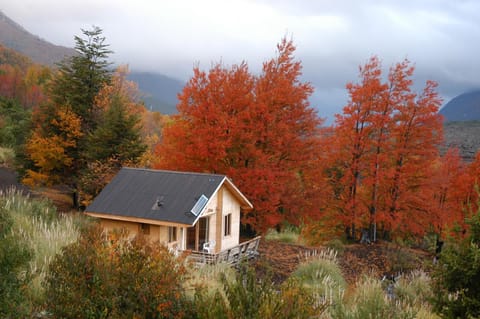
[145, 229]
[227, 225]
[172, 234]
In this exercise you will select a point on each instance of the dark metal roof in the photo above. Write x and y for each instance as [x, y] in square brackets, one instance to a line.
[135, 192]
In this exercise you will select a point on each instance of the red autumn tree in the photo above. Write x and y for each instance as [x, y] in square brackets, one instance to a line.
[258, 130]
[384, 143]
[417, 134]
[451, 184]
[473, 184]
[354, 141]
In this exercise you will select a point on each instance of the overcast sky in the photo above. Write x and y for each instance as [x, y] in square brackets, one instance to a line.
[333, 37]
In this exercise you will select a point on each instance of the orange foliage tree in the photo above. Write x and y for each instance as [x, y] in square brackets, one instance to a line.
[258, 130]
[451, 184]
[50, 146]
[384, 143]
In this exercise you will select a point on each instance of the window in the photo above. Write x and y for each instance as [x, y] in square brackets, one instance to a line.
[145, 229]
[227, 225]
[172, 234]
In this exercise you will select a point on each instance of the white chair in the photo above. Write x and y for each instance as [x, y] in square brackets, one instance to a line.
[209, 246]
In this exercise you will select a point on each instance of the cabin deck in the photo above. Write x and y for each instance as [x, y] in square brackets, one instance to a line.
[243, 251]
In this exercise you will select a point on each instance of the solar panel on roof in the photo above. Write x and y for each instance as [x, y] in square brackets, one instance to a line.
[199, 205]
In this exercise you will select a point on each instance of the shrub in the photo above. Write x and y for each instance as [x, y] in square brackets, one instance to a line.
[247, 296]
[456, 277]
[208, 277]
[14, 258]
[337, 245]
[7, 157]
[321, 274]
[401, 260]
[288, 235]
[38, 225]
[115, 277]
[369, 301]
[415, 289]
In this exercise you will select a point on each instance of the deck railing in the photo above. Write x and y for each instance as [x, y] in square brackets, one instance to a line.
[246, 250]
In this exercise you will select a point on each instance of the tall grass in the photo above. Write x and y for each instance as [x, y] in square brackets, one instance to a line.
[45, 232]
[373, 298]
[321, 274]
[289, 235]
[208, 277]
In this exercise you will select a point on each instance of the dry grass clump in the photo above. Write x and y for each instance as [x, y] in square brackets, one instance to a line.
[45, 232]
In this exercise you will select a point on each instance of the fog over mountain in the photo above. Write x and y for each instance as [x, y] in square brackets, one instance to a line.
[333, 37]
[464, 107]
[158, 90]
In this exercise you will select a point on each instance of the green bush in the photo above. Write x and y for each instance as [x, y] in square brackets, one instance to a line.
[401, 260]
[7, 156]
[456, 277]
[289, 235]
[38, 225]
[14, 258]
[14, 122]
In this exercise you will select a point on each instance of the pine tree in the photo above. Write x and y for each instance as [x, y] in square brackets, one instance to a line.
[81, 76]
[117, 136]
[66, 121]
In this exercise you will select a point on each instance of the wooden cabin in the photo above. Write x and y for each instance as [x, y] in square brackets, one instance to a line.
[186, 211]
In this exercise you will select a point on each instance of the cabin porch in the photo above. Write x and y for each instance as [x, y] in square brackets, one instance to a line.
[245, 250]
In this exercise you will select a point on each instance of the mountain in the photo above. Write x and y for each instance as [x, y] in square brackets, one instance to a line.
[159, 91]
[463, 135]
[464, 107]
[15, 37]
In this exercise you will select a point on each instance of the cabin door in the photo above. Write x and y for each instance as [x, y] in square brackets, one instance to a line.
[202, 231]
[191, 238]
[198, 234]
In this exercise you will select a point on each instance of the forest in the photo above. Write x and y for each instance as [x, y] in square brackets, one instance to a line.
[376, 174]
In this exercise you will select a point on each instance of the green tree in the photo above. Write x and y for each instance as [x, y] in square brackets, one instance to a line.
[117, 140]
[82, 76]
[116, 136]
[457, 293]
[14, 123]
[70, 117]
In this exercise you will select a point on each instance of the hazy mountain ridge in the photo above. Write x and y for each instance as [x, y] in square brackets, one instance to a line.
[464, 107]
[14, 36]
[159, 91]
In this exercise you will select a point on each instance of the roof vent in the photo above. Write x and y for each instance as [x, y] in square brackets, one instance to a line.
[199, 205]
[159, 202]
